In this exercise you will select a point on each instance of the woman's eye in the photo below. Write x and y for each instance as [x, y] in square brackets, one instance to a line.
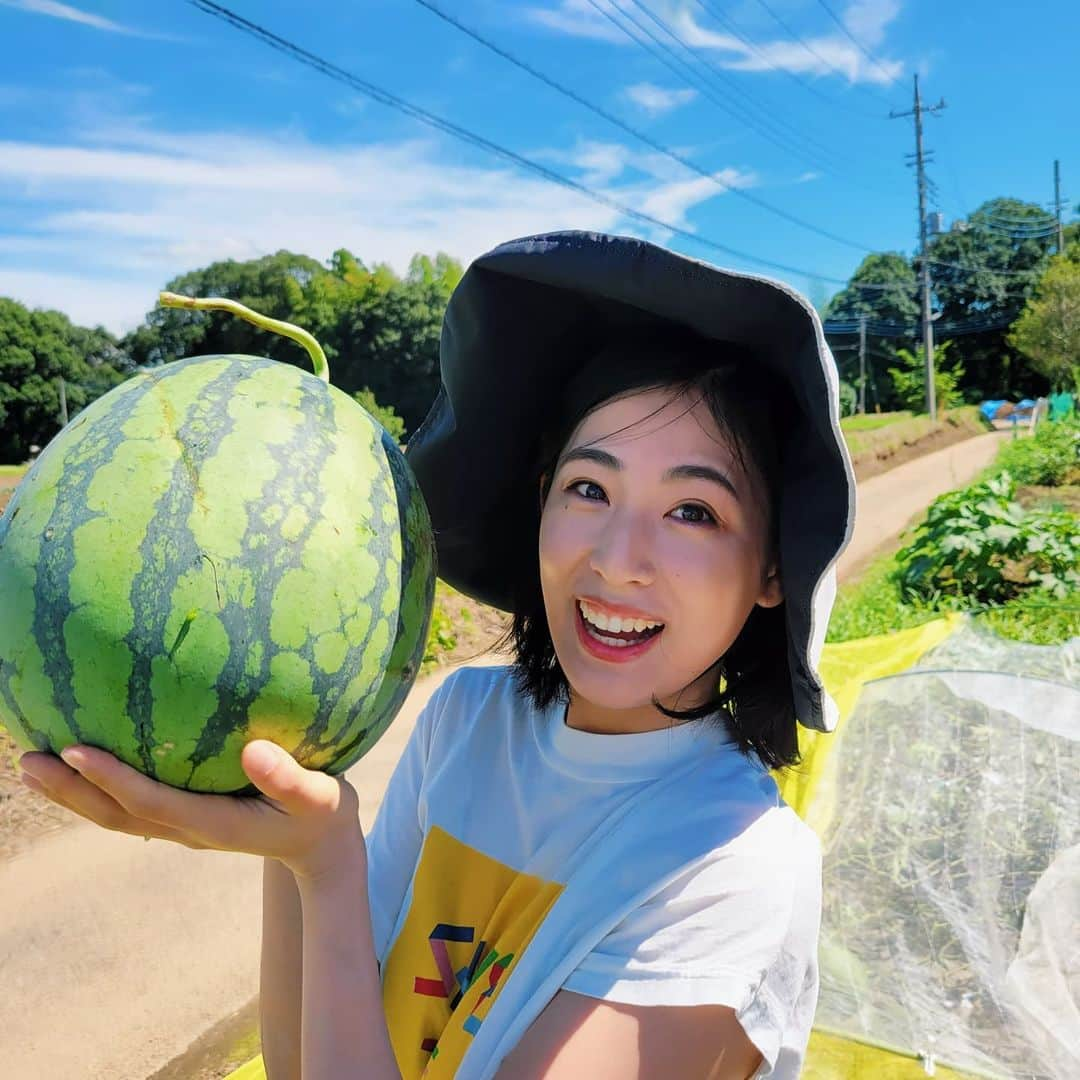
[582, 487]
[698, 515]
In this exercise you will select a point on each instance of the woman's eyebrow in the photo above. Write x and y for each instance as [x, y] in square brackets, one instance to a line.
[676, 472]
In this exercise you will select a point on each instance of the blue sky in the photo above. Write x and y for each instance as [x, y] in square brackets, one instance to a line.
[139, 141]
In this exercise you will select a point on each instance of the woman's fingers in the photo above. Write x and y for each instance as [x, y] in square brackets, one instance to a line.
[193, 818]
[68, 789]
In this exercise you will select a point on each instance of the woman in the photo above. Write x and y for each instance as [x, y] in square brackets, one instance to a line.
[581, 866]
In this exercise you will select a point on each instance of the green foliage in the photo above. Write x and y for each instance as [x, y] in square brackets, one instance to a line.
[872, 421]
[37, 350]
[909, 380]
[1048, 457]
[1048, 330]
[441, 636]
[984, 273]
[873, 605]
[979, 546]
[849, 398]
[383, 413]
[380, 332]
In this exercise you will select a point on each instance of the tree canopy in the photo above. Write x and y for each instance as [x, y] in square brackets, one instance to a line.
[38, 349]
[982, 273]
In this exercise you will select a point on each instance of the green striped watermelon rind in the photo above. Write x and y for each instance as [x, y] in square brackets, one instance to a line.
[220, 549]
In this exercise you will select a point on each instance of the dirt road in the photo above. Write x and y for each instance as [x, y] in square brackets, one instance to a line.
[115, 955]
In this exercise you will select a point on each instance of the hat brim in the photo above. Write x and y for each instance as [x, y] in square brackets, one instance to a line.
[514, 332]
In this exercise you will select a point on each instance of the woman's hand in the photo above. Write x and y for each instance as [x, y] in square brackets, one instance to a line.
[304, 819]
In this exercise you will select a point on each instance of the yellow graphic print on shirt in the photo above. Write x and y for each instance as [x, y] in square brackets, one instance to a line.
[470, 919]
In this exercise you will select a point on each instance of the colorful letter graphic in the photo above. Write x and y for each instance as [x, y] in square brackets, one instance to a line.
[453, 984]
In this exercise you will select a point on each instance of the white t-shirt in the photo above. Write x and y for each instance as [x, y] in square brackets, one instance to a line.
[514, 856]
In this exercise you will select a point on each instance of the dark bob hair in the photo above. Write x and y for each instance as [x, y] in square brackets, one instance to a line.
[753, 699]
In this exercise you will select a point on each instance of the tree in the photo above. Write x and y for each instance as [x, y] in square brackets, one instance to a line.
[884, 290]
[982, 275]
[1048, 330]
[909, 378]
[379, 331]
[37, 350]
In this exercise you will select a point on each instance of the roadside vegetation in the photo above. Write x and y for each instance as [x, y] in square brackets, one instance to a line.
[1006, 548]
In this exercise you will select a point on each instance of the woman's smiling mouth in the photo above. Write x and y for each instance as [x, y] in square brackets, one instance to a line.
[615, 638]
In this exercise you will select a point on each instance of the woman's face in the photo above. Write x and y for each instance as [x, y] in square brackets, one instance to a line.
[659, 525]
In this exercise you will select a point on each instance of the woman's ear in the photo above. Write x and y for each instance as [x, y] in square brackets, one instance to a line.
[772, 591]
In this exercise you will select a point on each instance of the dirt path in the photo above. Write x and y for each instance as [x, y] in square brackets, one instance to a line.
[117, 955]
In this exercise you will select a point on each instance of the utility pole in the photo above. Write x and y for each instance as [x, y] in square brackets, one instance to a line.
[1058, 204]
[862, 363]
[920, 164]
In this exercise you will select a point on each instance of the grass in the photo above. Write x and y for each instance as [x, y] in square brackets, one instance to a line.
[872, 605]
[884, 433]
[872, 421]
[12, 470]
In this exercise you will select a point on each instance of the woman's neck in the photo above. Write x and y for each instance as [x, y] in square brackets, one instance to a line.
[584, 716]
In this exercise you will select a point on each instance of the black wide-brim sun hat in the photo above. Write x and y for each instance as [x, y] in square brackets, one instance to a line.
[522, 322]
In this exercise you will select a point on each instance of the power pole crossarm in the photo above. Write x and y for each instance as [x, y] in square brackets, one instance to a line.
[924, 255]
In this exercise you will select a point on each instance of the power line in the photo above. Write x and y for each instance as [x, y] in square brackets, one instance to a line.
[384, 97]
[635, 132]
[857, 43]
[727, 80]
[705, 87]
[828, 64]
[733, 29]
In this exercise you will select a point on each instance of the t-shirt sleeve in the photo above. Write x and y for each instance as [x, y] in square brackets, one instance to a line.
[739, 929]
[395, 838]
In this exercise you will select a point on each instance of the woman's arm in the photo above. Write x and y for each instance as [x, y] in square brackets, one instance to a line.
[280, 972]
[344, 1026]
[578, 1036]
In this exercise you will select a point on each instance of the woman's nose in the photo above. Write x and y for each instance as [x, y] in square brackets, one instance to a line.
[623, 551]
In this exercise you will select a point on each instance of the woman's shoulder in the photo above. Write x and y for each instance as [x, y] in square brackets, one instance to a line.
[474, 696]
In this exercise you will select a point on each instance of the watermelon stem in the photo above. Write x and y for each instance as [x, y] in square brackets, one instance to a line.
[275, 326]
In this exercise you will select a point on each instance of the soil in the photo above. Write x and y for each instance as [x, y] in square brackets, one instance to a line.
[1066, 497]
[875, 462]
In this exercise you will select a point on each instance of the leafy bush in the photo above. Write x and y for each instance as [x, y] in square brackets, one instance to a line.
[849, 398]
[979, 545]
[1048, 457]
[383, 413]
[873, 605]
[909, 381]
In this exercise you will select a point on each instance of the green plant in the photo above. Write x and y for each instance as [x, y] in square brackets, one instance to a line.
[909, 380]
[1047, 457]
[849, 398]
[383, 413]
[978, 545]
[442, 637]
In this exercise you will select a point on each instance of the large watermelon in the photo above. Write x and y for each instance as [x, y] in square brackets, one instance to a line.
[221, 549]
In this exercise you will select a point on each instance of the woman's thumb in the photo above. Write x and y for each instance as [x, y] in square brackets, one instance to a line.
[277, 774]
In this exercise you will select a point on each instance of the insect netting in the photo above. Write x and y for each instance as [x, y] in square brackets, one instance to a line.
[948, 806]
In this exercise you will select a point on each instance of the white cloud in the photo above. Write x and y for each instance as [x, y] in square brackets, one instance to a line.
[832, 53]
[656, 100]
[103, 225]
[869, 19]
[76, 15]
[578, 18]
[807, 177]
[671, 202]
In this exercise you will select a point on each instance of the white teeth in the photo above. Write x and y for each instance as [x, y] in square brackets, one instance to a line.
[614, 623]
